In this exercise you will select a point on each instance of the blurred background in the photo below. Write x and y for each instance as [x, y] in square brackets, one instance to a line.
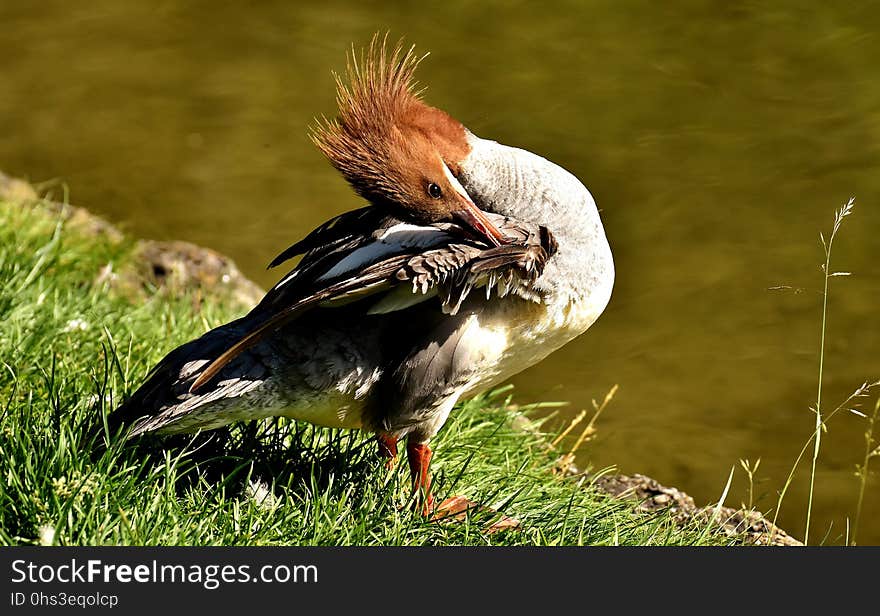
[717, 139]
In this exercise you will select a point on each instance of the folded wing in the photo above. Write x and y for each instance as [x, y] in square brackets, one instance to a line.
[366, 254]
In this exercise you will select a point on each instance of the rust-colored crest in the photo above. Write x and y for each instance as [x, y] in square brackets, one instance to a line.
[384, 133]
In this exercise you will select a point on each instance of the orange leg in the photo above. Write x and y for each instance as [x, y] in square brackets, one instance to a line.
[387, 448]
[454, 508]
[419, 457]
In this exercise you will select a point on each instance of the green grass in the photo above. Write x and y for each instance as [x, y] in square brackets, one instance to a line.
[74, 343]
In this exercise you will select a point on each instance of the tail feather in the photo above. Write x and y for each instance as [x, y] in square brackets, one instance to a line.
[167, 385]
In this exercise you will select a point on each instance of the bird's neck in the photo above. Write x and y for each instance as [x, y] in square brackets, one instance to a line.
[517, 183]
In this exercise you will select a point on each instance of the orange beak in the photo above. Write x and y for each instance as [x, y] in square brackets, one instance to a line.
[475, 219]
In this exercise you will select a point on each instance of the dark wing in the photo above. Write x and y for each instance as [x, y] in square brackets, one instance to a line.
[457, 269]
[344, 243]
[440, 258]
[370, 281]
[334, 233]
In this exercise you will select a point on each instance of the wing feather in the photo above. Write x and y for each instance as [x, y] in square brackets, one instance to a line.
[332, 233]
[368, 281]
[434, 259]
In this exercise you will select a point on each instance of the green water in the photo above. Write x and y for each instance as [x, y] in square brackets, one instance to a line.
[717, 138]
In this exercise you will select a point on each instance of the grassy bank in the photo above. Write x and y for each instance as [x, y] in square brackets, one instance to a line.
[79, 331]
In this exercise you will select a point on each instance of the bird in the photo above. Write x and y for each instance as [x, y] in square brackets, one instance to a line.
[472, 261]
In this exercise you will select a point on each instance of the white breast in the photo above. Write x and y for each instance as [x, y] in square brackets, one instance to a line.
[513, 336]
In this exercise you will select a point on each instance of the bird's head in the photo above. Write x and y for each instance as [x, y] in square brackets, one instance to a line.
[394, 149]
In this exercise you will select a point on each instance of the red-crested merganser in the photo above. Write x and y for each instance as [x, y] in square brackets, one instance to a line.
[376, 327]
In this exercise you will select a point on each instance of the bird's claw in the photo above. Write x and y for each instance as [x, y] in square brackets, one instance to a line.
[456, 509]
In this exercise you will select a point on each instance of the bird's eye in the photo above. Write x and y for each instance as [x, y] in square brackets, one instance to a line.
[434, 191]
